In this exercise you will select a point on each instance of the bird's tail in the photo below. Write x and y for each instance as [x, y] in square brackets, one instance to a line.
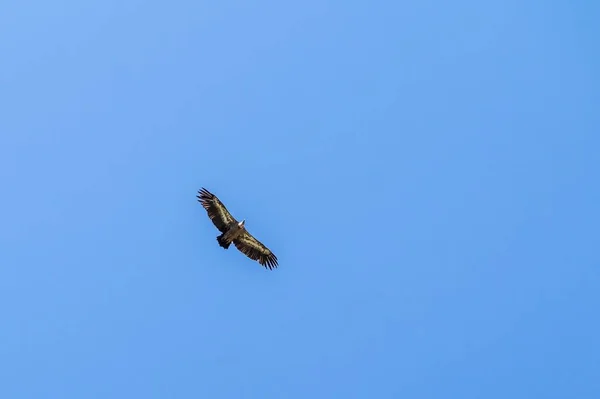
[223, 242]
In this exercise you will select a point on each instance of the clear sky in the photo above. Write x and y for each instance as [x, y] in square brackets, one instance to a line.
[427, 173]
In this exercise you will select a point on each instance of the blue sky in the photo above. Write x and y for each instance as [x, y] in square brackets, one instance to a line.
[426, 172]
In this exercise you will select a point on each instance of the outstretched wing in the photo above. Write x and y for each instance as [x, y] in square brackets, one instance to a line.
[217, 212]
[254, 249]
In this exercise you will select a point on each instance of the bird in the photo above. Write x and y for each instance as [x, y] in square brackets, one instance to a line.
[235, 232]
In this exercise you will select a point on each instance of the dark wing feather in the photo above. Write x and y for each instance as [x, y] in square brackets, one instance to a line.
[254, 249]
[217, 212]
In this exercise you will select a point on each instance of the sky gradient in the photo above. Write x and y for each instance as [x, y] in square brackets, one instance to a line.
[426, 173]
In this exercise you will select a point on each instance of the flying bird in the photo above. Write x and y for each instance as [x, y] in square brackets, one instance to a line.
[235, 232]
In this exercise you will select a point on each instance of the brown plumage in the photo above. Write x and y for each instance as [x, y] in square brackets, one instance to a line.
[235, 232]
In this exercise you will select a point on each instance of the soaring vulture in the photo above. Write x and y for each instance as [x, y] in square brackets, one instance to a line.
[235, 232]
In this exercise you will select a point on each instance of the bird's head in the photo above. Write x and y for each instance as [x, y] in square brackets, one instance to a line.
[241, 224]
